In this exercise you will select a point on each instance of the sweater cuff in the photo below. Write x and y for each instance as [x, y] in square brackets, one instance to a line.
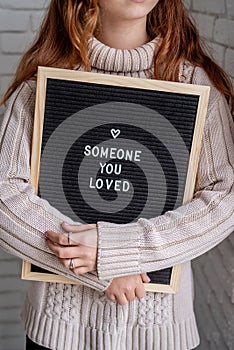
[118, 250]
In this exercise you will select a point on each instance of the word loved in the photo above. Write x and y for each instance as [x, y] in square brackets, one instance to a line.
[116, 185]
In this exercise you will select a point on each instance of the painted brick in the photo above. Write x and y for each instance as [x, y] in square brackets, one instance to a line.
[229, 61]
[208, 329]
[207, 6]
[188, 3]
[230, 7]
[219, 278]
[7, 331]
[16, 43]
[36, 19]
[205, 24]
[217, 51]
[9, 284]
[223, 32]
[6, 256]
[8, 64]
[23, 4]
[9, 268]
[225, 321]
[12, 299]
[226, 249]
[4, 83]
[9, 315]
[201, 280]
[11, 21]
[203, 307]
[15, 343]
[231, 240]
[214, 321]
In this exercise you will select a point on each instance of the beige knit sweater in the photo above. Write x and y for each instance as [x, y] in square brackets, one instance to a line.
[70, 317]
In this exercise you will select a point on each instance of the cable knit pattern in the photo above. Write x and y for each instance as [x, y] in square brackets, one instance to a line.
[155, 308]
[71, 317]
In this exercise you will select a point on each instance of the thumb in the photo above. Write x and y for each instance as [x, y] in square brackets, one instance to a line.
[145, 278]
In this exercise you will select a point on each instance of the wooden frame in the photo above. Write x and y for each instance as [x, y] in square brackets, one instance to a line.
[202, 92]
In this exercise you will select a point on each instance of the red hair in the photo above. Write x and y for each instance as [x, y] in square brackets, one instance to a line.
[62, 42]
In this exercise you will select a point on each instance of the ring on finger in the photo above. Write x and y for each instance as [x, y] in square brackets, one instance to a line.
[71, 265]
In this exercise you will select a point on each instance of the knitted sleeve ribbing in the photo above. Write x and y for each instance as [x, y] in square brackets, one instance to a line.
[190, 230]
[24, 217]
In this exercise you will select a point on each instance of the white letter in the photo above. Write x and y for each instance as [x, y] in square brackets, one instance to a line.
[112, 153]
[109, 168]
[137, 156]
[91, 183]
[95, 151]
[109, 183]
[102, 166]
[87, 150]
[99, 184]
[129, 155]
[118, 170]
[126, 186]
[104, 152]
[119, 155]
[117, 184]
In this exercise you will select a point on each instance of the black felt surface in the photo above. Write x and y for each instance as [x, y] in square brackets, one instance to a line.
[65, 98]
[68, 97]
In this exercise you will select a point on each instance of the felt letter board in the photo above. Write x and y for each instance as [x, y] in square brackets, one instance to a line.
[115, 149]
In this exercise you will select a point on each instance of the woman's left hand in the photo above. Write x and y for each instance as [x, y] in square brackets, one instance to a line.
[77, 250]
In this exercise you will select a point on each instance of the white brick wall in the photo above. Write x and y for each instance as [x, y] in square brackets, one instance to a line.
[19, 20]
[214, 271]
[215, 19]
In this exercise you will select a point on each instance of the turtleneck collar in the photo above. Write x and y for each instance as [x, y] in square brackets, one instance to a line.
[109, 59]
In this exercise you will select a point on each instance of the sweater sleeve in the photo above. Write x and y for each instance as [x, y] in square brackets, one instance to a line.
[24, 217]
[190, 230]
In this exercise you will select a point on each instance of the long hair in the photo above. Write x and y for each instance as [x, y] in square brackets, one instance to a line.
[62, 42]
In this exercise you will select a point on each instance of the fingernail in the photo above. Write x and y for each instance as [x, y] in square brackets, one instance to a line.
[46, 233]
[148, 279]
[65, 223]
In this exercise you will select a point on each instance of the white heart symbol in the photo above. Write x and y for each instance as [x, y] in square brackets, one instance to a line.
[115, 133]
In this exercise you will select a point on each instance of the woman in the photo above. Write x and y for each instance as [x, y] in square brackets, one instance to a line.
[138, 38]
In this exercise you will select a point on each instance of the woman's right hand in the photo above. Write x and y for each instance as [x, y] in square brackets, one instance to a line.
[127, 288]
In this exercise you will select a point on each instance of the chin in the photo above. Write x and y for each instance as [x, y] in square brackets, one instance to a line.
[139, 8]
[126, 9]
